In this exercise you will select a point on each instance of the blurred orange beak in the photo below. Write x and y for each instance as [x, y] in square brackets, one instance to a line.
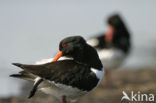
[58, 55]
[109, 34]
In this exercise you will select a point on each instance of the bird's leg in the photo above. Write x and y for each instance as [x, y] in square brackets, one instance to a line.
[64, 99]
[108, 79]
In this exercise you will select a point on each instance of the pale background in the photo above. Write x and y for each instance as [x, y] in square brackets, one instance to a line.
[30, 30]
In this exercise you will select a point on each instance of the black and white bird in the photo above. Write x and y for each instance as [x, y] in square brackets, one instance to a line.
[78, 73]
[112, 46]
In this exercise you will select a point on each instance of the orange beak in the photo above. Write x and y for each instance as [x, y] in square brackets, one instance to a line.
[58, 55]
[109, 34]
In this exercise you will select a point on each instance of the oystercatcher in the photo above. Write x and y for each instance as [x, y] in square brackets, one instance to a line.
[74, 76]
[114, 46]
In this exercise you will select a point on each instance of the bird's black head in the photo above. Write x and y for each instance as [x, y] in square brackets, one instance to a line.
[72, 46]
[77, 48]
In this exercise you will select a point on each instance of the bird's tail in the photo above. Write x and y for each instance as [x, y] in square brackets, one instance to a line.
[24, 75]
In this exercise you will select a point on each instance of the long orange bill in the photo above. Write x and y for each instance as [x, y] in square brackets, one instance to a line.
[58, 55]
[109, 34]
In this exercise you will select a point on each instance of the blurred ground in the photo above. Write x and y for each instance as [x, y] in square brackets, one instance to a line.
[143, 80]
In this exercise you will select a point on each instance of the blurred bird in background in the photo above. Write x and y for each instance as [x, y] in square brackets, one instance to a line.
[112, 46]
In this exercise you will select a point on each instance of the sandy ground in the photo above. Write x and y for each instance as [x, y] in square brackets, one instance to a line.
[143, 80]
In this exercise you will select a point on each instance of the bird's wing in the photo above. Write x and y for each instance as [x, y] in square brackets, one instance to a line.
[66, 72]
[52, 71]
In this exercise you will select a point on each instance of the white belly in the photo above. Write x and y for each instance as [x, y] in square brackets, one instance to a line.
[111, 58]
[59, 90]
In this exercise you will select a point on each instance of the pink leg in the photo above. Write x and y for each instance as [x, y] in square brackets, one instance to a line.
[64, 99]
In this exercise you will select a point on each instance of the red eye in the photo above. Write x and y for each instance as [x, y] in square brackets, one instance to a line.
[64, 45]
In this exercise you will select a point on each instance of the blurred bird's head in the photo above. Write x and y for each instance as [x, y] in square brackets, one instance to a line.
[116, 26]
[115, 21]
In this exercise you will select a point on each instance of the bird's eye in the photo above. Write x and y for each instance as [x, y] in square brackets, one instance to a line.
[64, 45]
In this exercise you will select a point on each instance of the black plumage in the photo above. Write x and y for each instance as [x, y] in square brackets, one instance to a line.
[66, 72]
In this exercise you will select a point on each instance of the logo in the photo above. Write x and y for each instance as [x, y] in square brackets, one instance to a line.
[138, 96]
